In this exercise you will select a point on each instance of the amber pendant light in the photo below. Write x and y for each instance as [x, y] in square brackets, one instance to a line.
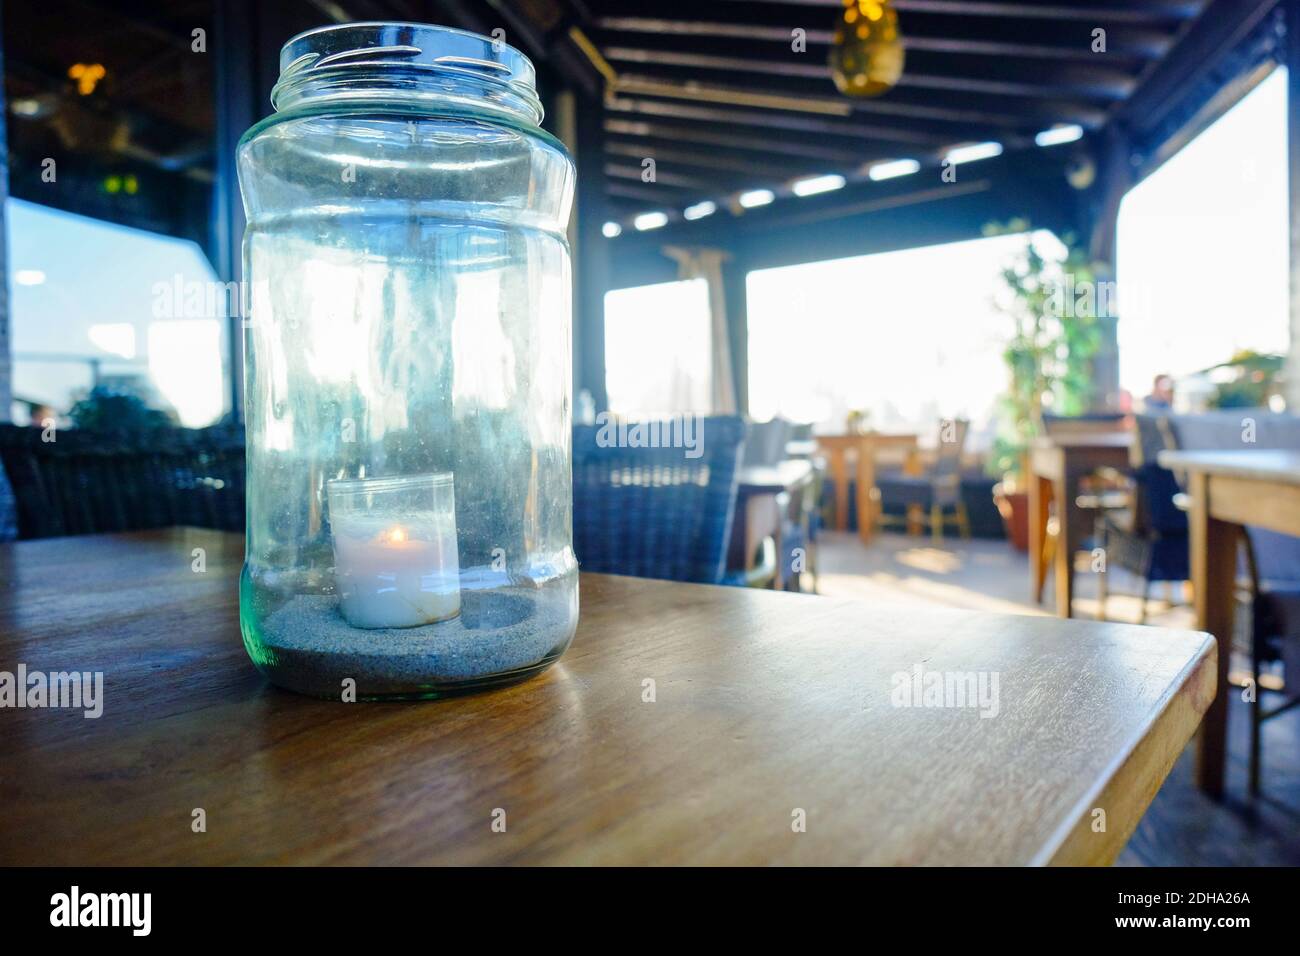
[867, 52]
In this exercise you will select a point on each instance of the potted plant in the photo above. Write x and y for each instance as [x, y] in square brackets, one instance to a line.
[1247, 380]
[1048, 357]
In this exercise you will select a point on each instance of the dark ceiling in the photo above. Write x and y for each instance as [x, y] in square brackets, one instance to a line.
[715, 91]
[156, 96]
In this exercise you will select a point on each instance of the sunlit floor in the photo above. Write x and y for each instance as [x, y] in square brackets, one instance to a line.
[1183, 827]
[979, 575]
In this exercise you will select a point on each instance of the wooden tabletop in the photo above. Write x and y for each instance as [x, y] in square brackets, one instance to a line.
[773, 479]
[1262, 464]
[1227, 491]
[768, 709]
[1111, 439]
[861, 438]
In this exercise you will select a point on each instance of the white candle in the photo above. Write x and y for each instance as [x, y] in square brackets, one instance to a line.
[395, 562]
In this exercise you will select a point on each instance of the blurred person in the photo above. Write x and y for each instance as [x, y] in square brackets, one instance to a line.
[1162, 394]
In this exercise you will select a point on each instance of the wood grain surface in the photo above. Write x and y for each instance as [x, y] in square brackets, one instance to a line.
[765, 705]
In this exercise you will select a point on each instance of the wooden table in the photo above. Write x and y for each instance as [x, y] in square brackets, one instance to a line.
[1229, 489]
[759, 507]
[1055, 466]
[864, 448]
[765, 705]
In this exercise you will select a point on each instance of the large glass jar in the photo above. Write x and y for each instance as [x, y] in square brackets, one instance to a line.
[407, 376]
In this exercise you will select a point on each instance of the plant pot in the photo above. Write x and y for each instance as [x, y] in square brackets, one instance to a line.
[1014, 508]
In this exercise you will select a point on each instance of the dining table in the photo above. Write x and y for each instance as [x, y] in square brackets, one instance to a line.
[1057, 464]
[1227, 491]
[862, 452]
[686, 724]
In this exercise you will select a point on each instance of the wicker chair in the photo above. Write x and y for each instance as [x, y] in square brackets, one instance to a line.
[88, 482]
[654, 512]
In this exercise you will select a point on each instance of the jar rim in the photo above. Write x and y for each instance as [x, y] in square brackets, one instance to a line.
[355, 52]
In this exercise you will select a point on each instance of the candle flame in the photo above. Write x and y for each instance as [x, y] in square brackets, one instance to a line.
[396, 535]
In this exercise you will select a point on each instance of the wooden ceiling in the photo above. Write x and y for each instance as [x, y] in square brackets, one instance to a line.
[716, 92]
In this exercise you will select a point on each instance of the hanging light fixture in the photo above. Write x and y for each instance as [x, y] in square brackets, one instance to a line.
[867, 52]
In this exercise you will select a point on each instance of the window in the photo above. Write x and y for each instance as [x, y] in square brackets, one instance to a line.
[95, 303]
[1202, 247]
[910, 336]
[657, 352]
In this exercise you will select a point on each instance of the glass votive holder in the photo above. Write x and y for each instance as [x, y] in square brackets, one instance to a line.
[395, 558]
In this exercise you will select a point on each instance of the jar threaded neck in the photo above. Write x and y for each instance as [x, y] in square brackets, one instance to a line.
[407, 62]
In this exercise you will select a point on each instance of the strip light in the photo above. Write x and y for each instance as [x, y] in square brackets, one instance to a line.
[818, 184]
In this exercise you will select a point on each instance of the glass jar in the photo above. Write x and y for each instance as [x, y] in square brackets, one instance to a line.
[407, 368]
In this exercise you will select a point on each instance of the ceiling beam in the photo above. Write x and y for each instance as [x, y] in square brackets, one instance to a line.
[1224, 25]
[632, 198]
[975, 36]
[953, 72]
[914, 134]
[670, 180]
[1119, 11]
[674, 157]
[953, 107]
[753, 142]
[1133, 11]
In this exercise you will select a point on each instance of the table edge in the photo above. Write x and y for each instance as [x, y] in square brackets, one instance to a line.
[1183, 706]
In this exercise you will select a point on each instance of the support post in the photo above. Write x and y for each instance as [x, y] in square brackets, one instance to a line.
[1292, 60]
[247, 36]
[6, 361]
[590, 247]
[234, 72]
[1115, 177]
[734, 272]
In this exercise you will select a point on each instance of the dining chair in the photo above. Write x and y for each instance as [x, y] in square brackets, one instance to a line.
[933, 493]
[656, 512]
[1273, 594]
[1138, 523]
[800, 524]
[765, 442]
[1149, 539]
[1268, 575]
[88, 481]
